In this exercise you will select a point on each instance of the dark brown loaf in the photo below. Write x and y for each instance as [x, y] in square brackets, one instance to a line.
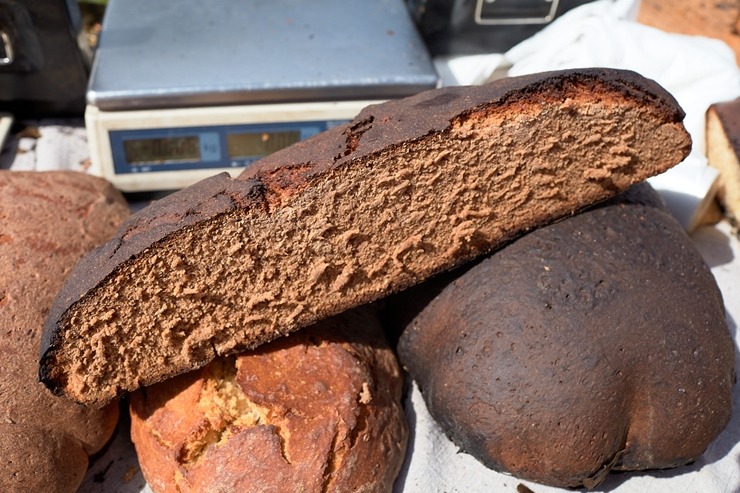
[596, 343]
[47, 222]
[319, 411]
[409, 188]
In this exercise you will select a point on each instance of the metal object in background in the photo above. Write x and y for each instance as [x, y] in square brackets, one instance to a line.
[6, 120]
[171, 54]
[43, 69]
[465, 27]
[194, 88]
[7, 55]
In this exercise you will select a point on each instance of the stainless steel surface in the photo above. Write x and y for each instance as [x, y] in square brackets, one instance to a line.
[159, 53]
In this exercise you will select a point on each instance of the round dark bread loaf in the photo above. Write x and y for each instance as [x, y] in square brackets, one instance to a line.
[47, 222]
[318, 411]
[409, 188]
[595, 343]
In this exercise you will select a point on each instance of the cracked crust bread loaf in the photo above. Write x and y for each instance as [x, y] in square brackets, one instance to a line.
[318, 411]
[593, 344]
[723, 152]
[47, 222]
[411, 187]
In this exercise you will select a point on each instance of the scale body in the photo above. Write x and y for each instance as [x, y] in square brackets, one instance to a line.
[190, 90]
[169, 149]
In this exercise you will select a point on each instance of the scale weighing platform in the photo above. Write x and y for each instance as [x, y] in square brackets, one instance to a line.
[183, 90]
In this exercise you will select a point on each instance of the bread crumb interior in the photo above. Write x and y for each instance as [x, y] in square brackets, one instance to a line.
[225, 408]
[356, 233]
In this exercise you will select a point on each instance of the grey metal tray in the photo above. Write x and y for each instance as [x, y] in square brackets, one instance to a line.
[160, 53]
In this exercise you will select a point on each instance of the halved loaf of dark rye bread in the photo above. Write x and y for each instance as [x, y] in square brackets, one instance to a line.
[409, 188]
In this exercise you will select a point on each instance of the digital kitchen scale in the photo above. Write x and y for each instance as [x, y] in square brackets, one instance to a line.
[183, 90]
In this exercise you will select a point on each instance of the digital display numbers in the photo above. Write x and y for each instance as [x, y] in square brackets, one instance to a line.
[162, 150]
[165, 150]
[259, 144]
[206, 147]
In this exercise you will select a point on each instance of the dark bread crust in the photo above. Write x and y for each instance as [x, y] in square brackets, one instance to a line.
[596, 343]
[396, 122]
[310, 173]
[723, 153]
[318, 411]
[728, 114]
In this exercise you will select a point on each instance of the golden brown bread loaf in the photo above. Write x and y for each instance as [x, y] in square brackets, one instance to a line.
[409, 188]
[723, 152]
[47, 222]
[318, 411]
[597, 343]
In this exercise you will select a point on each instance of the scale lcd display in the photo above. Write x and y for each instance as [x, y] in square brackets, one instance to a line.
[259, 144]
[198, 148]
[161, 150]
